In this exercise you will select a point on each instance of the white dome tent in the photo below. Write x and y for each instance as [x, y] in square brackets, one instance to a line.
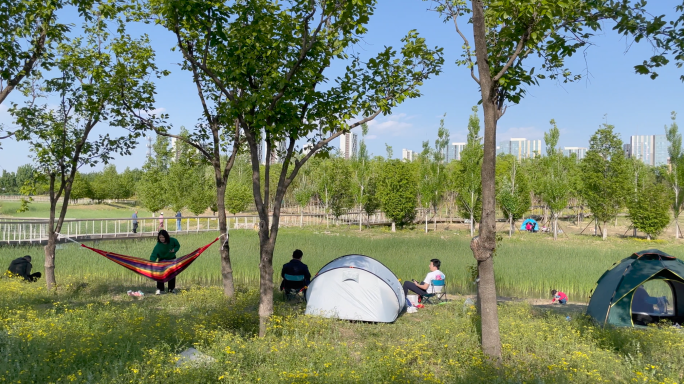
[355, 287]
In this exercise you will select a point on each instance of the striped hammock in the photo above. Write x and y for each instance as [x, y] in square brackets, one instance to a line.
[162, 271]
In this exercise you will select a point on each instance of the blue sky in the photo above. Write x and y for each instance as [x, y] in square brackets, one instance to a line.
[634, 104]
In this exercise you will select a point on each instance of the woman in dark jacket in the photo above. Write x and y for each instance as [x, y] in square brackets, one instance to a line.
[165, 250]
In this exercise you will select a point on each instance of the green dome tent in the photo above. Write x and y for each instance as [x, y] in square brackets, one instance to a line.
[620, 299]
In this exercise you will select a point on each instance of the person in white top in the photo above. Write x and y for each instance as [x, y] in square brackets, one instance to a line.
[423, 288]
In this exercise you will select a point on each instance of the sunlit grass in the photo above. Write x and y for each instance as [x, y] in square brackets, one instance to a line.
[92, 333]
[529, 265]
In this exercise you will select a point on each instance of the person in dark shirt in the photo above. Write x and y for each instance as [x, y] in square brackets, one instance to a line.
[22, 267]
[295, 268]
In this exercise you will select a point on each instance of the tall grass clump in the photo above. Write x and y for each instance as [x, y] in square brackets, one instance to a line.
[526, 266]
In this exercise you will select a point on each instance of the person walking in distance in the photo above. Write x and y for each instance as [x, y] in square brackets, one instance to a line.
[178, 221]
[135, 221]
[161, 220]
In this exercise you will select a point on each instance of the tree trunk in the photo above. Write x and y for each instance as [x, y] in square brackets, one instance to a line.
[361, 210]
[555, 226]
[678, 232]
[604, 230]
[226, 267]
[483, 245]
[394, 227]
[426, 221]
[50, 257]
[472, 224]
[265, 279]
[510, 226]
[435, 221]
[50, 279]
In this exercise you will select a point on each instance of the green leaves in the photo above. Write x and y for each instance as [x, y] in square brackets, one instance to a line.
[397, 191]
[605, 176]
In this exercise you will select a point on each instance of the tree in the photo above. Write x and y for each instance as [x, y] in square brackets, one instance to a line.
[238, 196]
[185, 173]
[605, 176]
[362, 172]
[269, 59]
[305, 189]
[390, 152]
[201, 196]
[106, 184]
[30, 30]
[8, 182]
[513, 193]
[398, 192]
[432, 178]
[95, 72]
[80, 188]
[555, 182]
[127, 181]
[469, 180]
[24, 173]
[150, 189]
[507, 35]
[648, 206]
[675, 175]
[335, 186]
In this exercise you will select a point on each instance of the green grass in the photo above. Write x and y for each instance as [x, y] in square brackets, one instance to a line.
[40, 209]
[94, 334]
[529, 265]
[90, 331]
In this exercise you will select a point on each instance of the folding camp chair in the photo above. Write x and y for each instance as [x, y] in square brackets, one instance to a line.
[294, 293]
[438, 296]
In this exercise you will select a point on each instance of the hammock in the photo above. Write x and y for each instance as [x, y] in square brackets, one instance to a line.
[162, 271]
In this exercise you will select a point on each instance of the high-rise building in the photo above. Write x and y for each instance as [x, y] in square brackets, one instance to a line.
[408, 155]
[520, 148]
[456, 149]
[175, 149]
[348, 145]
[651, 149]
[278, 152]
[580, 152]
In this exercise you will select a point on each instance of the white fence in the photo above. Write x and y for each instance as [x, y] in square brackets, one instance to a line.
[21, 231]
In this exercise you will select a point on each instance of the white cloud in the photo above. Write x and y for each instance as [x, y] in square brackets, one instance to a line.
[394, 125]
[156, 111]
[530, 133]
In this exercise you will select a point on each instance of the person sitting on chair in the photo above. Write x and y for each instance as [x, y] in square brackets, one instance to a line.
[295, 268]
[642, 302]
[22, 267]
[425, 287]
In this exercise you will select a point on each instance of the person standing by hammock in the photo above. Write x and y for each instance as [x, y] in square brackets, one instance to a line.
[165, 250]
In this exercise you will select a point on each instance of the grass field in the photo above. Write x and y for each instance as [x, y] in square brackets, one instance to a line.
[90, 331]
[528, 265]
[94, 334]
[40, 209]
